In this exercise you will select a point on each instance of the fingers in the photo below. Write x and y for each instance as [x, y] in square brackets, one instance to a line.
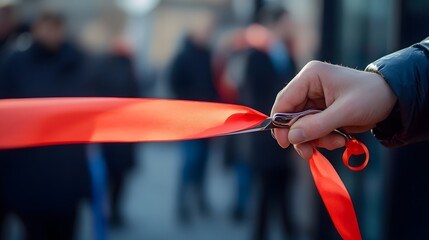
[281, 135]
[316, 126]
[305, 150]
[302, 92]
[311, 88]
[294, 95]
[330, 142]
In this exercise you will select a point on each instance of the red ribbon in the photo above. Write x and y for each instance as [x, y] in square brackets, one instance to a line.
[50, 121]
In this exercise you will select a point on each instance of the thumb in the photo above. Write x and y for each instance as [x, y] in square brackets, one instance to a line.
[315, 126]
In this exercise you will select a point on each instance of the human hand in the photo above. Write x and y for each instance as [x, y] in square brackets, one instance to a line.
[351, 99]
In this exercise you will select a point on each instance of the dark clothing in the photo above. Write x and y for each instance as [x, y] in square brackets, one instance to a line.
[120, 158]
[10, 42]
[407, 73]
[38, 72]
[274, 199]
[272, 167]
[407, 212]
[193, 173]
[49, 226]
[262, 83]
[191, 73]
[112, 75]
[191, 78]
[43, 181]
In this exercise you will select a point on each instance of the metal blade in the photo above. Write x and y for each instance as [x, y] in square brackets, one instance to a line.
[265, 125]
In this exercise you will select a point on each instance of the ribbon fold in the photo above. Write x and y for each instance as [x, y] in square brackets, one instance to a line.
[50, 121]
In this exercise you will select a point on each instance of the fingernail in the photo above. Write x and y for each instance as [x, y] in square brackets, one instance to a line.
[296, 136]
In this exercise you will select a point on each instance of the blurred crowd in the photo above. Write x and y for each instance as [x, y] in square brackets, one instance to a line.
[246, 64]
[252, 68]
[44, 186]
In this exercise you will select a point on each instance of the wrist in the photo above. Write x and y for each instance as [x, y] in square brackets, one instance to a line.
[389, 124]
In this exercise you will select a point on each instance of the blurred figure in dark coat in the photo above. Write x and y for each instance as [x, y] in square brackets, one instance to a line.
[229, 65]
[269, 67]
[111, 74]
[43, 186]
[114, 77]
[191, 78]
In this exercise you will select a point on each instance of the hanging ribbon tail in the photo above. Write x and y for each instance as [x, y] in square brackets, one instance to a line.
[50, 121]
[335, 197]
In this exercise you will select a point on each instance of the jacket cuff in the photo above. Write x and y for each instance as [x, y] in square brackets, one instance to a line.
[407, 72]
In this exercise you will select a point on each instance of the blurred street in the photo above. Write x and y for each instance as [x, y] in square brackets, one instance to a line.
[149, 201]
[241, 187]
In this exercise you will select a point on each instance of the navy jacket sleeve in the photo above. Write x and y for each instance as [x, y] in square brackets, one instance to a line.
[407, 73]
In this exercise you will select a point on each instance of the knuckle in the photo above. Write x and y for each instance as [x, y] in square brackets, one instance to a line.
[314, 65]
[279, 94]
[312, 69]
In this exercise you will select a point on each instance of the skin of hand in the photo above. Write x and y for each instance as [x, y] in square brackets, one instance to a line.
[351, 99]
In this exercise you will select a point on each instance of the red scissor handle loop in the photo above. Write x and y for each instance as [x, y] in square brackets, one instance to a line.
[355, 148]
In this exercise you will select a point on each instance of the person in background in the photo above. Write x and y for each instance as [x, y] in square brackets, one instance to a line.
[118, 81]
[13, 34]
[191, 78]
[43, 186]
[229, 73]
[114, 77]
[111, 74]
[8, 22]
[269, 66]
[280, 49]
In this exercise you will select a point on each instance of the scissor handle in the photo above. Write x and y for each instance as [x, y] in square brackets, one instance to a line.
[283, 120]
[343, 133]
[353, 146]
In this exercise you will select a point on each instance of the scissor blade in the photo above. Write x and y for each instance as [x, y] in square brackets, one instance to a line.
[267, 124]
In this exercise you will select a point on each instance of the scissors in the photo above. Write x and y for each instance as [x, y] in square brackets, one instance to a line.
[286, 120]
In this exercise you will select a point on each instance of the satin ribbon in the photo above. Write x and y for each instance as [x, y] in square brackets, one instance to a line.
[50, 121]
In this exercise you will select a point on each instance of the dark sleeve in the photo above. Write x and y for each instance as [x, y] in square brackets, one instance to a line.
[407, 73]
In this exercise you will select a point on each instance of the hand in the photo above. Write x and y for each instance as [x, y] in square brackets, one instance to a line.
[351, 99]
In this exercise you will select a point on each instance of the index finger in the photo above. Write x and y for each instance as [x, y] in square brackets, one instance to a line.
[290, 98]
[294, 96]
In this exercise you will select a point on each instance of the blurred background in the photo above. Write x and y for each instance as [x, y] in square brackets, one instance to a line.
[233, 51]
